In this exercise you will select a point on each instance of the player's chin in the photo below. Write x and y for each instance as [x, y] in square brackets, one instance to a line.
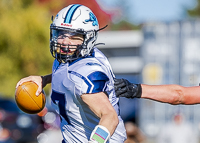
[70, 53]
[66, 53]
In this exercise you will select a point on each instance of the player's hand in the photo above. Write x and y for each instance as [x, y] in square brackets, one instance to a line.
[123, 88]
[36, 79]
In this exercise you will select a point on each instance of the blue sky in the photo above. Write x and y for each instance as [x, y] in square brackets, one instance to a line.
[138, 11]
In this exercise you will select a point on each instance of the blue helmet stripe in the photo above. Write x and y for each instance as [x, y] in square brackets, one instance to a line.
[70, 13]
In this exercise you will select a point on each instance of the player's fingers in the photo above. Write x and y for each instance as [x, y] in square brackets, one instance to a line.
[125, 95]
[39, 90]
[38, 81]
[21, 81]
[17, 84]
[25, 79]
[118, 81]
[119, 86]
[121, 91]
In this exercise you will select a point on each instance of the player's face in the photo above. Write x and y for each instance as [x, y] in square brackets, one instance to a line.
[68, 42]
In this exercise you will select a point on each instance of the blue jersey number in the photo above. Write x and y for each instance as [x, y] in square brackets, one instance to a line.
[60, 98]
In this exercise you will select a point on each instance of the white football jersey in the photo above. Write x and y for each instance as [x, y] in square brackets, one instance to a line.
[69, 81]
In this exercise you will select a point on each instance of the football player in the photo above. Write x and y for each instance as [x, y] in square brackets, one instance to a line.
[82, 80]
[172, 94]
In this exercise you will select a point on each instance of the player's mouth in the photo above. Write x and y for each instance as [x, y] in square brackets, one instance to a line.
[64, 50]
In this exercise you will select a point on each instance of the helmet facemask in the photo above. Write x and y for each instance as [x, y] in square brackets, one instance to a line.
[66, 52]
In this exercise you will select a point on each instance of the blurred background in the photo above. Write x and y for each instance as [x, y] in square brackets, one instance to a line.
[150, 42]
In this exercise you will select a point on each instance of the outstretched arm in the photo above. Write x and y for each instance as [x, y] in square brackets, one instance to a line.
[172, 94]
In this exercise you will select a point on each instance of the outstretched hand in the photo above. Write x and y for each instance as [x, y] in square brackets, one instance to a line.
[123, 88]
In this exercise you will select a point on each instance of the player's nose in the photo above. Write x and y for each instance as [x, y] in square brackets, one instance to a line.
[66, 41]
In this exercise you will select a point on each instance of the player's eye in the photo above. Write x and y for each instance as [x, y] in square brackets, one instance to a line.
[64, 36]
[77, 37]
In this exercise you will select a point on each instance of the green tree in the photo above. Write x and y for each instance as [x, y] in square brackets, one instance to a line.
[24, 42]
[196, 11]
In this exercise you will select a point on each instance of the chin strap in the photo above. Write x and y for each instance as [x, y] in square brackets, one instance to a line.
[99, 44]
[102, 28]
[98, 31]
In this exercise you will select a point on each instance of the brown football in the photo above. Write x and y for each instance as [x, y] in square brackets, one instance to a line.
[26, 99]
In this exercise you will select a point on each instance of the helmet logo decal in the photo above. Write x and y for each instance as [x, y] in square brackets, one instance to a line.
[92, 19]
[70, 13]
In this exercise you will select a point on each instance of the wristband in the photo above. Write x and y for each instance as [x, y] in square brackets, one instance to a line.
[139, 91]
[100, 134]
[92, 141]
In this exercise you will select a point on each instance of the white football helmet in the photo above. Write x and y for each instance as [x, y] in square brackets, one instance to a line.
[77, 19]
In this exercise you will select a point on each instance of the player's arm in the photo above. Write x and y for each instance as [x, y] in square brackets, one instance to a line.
[41, 81]
[46, 80]
[172, 94]
[101, 106]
